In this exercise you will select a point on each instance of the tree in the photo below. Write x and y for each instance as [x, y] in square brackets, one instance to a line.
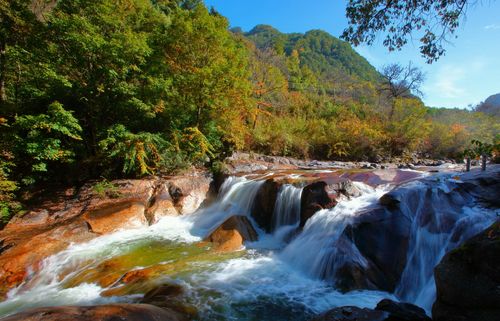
[437, 21]
[401, 82]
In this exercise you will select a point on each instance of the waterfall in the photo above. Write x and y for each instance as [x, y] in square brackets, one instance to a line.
[286, 215]
[316, 251]
[236, 197]
[431, 238]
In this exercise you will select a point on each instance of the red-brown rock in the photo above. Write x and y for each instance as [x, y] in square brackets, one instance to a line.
[111, 312]
[231, 235]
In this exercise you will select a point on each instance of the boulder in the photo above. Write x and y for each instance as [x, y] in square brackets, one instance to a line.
[381, 234]
[189, 192]
[264, 202]
[170, 296]
[400, 311]
[114, 217]
[315, 197]
[231, 235]
[382, 237]
[386, 310]
[162, 205]
[349, 313]
[468, 280]
[109, 312]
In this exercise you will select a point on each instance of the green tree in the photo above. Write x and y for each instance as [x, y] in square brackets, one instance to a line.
[45, 140]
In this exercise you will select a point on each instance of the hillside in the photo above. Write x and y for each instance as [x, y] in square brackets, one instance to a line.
[490, 106]
[321, 52]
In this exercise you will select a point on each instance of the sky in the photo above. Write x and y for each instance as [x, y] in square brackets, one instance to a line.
[467, 75]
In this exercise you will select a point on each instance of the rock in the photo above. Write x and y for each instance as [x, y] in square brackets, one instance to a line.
[351, 313]
[114, 217]
[380, 236]
[110, 312]
[170, 296]
[189, 192]
[231, 235]
[263, 207]
[468, 280]
[69, 216]
[386, 310]
[315, 197]
[162, 205]
[399, 311]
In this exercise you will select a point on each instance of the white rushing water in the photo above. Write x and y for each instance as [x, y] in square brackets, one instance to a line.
[283, 275]
[315, 250]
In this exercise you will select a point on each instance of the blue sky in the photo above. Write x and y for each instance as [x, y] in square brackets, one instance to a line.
[468, 74]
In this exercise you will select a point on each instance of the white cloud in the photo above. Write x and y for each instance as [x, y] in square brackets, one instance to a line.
[447, 82]
[492, 27]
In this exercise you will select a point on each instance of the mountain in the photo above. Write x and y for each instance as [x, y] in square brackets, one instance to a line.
[490, 106]
[321, 52]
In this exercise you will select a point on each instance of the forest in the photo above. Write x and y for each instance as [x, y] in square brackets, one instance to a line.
[92, 89]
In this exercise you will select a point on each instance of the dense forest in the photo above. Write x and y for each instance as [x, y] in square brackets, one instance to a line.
[93, 89]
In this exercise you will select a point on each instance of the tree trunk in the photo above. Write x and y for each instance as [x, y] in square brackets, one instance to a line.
[483, 162]
[467, 164]
[391, 114]
[3, 94]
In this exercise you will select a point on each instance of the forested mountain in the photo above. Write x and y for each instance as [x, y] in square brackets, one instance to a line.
[322, 53]
[136, 87]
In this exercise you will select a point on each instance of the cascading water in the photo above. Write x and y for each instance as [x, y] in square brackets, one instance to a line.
[286, 215]
[431, 238]
[269, 279]
[315, 251]
[236, 197]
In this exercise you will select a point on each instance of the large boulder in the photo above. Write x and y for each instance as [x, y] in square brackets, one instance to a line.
[162, 205]
[189, 191]
[315, 197]
[264, 202]
[400, 311]
[170, 296]
[381, 235]
[231, 235]
[114, 217]
[468, 280]
[110, 312]
[386, 310]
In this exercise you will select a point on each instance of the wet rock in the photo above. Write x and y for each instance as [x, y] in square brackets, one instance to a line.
[468, 280]
[231, 235]
[170, 296]
[264, 202]
[380, 236]
[485, 186]
[351, 313]
[189, 192]
[162, 205]
[71, 216]
[110, 312]
[399, 311]
[383, 239]
[386, 310]
[114, 217]
[315, 197]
